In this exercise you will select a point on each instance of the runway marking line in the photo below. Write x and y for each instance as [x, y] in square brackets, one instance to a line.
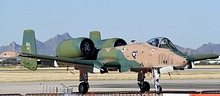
[170, 94]
[204, 95]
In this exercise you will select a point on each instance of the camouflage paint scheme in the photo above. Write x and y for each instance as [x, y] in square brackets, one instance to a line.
[158, 55]
[30, 63]
[147, 56]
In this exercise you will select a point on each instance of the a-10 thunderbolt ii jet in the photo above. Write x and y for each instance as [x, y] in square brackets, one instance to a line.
[158, 55]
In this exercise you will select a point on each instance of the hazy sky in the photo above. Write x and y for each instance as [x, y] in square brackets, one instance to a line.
[188, 23]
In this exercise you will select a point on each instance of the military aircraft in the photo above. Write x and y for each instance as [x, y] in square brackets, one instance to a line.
[157, 56]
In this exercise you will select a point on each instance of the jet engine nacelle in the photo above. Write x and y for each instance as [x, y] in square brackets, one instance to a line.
[112, 42]
[87, 47]
[76, 47]
[95, 36]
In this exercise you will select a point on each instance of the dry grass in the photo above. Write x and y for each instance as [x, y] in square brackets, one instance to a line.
[51, 74]
[61, 75]
[207, 66]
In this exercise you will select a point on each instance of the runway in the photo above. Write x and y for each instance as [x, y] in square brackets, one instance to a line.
[107, 86]
[111, 85]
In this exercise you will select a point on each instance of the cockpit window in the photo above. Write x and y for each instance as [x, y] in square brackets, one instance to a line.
[162, 42]
[154, 42]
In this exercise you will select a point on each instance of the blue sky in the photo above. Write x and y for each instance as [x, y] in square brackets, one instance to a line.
[188, 23]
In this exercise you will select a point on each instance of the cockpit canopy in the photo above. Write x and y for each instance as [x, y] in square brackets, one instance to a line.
[162, 42]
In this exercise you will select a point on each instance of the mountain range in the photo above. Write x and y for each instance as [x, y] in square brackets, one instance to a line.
[49, 47]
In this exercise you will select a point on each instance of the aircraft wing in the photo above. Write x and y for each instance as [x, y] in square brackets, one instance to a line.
[203, 57]
[32, 65]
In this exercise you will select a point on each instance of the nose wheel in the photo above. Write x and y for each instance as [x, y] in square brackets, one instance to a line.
[155, 78]
[159, 88]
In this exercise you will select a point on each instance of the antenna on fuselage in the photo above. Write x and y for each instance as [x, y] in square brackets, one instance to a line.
[133, 41]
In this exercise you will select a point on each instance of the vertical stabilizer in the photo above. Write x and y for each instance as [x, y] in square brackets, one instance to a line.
[95, 35]
[29, 47]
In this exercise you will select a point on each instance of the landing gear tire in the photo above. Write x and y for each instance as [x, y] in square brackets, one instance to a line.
[159, 88]
[144, 87]
[103, 70]
[83, 87]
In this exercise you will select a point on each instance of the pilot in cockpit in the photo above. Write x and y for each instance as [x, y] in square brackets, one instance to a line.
[155, 42]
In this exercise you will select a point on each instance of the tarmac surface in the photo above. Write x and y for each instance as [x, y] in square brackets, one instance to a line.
[110, 85]
[107, 86]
